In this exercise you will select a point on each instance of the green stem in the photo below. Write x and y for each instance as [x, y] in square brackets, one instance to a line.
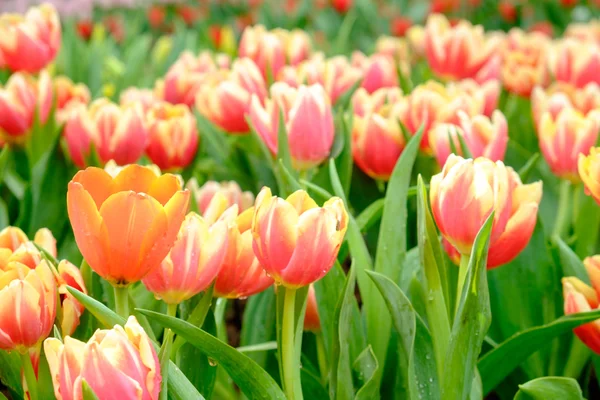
[220, 308]
[578, 357]
[122, 301]
[462, 276]
[29, 376]
[197, 316]
[322, 357]
[288, 343]
[562, 219]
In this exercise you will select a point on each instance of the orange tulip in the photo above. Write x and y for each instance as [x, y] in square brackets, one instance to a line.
[465, 193]
[379, 71]
[192, 264]
[27, 305]
[580, 297]
[524, 61]
[116, 363]
[117, 133]
[126, 225]
[29, 43]
[575, 62]
[308, 120]
[589, 172]
[296, 241]
[461, 51]
[186, 75]
[68, 94]
[483, 136]
[20, 99]
[225, 98]
[172, 135]
[312, 322]
[241, 274]
[71, 308]
[565, 137]
[230, 190]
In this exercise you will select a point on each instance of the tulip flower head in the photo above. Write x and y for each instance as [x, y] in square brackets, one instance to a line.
[466, 192]
[30, 42]
[172, 135]
[125, 225]
[562, 95]
[575, 62]
[230, 190]
[68, 94]
[241, 275]
[146, 97]
[589, 172]
[296, 241]
[116, 363]
[312, 322]
[564, 138]
[379, 71]
[116, 133]
[308, 119]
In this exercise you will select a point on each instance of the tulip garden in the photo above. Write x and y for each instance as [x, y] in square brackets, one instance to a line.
[312, 199]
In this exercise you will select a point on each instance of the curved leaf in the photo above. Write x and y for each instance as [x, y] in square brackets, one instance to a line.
[550, 387]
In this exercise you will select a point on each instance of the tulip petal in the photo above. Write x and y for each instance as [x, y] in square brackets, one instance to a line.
[97, 182]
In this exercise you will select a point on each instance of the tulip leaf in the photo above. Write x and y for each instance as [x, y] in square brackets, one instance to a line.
[283, 146]
[289, 179]
[391, 246]
[180, 388]
[258, 325]
[529, 166]
[216, 147]
[586, 226]
[366, 366]
[340, 384]
[436, 281]
[252, 380]
[345, 162]
[343, 101]
[415, 348]
[466, 152]
[10, 371]
[4, 161]
[497, 364]
[550, 387]
[570, 262]
[471, 322]
[87, 391]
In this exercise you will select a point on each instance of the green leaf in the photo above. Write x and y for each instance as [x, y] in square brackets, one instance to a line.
[252, 380]
[370, 215]
[345, 162]
[343, 101]
[436, 281]
[4, 160]
[283, 147]
[466, 153]
[550, 387]
[391, 246]
[416, 364]
[216, 146]
[529, 166]
[258, 325]
[311, 386]
[586, 226]
[340, 385]
[87, 391]
[289, 179]
[471, 322]
[10, 371]
[571, 264]
[258, 347]
[366, 365]
[502, 360]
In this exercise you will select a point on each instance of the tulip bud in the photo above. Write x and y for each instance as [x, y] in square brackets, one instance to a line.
[117, 133]
[379, 71]
[192, 264]
[225, 98]
[116, 363]
[68, 94]
[28, 298]
[575, 62]
[484, 137]
[12, 237]
[312, 322]
[241, 274]
[29, 43]
[480, 187]
[296, 241]
[308, 121]
[564, 139]
[21, 99]
[69, 275]
[461, 51]
[172, 136]
[125, 225]
[579, 297]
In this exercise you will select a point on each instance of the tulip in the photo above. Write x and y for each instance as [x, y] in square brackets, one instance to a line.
[116, 133]
[21, 99]
[28, 299]
[484, 137]
[192, 264]
[225, 98]
[562, 95]
[486, 93]
[69, 275]
[230, 190]
[29, 43]
[68, 94]
[116, 363]
[524, 61]
[13, 238]
[589, 172]
[478, 188]
[584, 32]
[462, 51]
[564, 138]
[580, 297]
[146, 97]
[377, 142]
[186, 75]
[265, 48]
[241, 275]
[308, 122]
[397, 48]
[575, 62]
[296, 241]
[172, 135]
[312, 322]
[126, 225]
[379, 71]
[364, 102]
